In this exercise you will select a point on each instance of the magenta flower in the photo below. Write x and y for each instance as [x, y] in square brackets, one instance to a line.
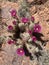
[37, 28]
[13, 13]
[25, 20]
[34, 39]
[20, 51]
[14, 22]
[10, 27]
[11, 41]
[32, 18]
[30, 32]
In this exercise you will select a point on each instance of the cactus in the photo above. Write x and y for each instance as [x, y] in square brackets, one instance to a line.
[27, 35]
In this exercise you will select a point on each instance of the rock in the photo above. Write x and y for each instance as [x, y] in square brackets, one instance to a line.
[33, 10]
[37, 1]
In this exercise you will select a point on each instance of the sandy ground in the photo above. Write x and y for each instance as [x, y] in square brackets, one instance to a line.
[41, 14]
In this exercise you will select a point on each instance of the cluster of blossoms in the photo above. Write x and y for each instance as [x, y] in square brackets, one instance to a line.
[27, 27]
[26, 35]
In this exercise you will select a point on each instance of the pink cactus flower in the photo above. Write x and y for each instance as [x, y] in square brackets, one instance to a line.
[32, 18]
[20, 51]
[30, 32]
[13, 13]
[34, 39]
[10, 27]
[25, 20]
[11, 41]
[14, 22]
[37, 28]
